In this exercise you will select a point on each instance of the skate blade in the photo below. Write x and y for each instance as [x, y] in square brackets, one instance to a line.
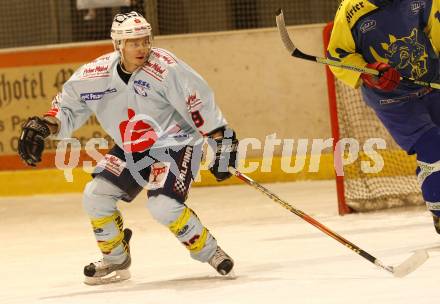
[114, 277]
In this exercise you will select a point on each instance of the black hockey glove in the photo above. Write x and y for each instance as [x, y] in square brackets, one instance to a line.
[31, 142]
[225, 154]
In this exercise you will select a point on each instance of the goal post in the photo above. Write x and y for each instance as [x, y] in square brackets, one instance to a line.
[396, 184]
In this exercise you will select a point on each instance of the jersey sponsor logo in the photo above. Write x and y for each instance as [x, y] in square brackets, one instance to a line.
[164, 56]
[95, 95]
[353, 10]
[367, 25]
[158, 175]
[155, 70]
[141, 87]
[405, 54]
[137, 132]
[112, 164]
[417, 6]
[96, 72]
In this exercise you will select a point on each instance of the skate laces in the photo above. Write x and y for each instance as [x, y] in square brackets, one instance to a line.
[100, 264]
[218, 257]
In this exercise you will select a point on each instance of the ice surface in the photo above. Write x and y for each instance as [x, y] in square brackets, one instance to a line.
[46, 241]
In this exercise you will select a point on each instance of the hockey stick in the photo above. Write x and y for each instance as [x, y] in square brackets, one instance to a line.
[406, 267]
[295, 52]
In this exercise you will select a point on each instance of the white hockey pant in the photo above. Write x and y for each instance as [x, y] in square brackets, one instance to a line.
[184, 224]
[99, 200]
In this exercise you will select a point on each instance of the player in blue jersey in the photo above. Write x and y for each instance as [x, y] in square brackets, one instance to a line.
[397, 38]
[157, 109]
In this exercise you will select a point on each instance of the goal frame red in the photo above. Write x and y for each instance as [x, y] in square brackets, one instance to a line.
[343, 208]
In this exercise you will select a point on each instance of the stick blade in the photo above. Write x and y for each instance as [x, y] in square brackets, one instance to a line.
[288, 44]
[410, 264]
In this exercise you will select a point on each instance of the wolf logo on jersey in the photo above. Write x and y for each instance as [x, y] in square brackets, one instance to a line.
[404, 53]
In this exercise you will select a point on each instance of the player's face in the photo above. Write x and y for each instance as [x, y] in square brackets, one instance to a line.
[135, 53]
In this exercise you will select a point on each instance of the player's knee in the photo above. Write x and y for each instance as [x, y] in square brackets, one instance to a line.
[99, 198]
[164, 209]
[427, 146]
[428, 171]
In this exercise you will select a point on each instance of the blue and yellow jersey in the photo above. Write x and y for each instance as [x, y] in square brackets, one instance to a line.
[403, 33]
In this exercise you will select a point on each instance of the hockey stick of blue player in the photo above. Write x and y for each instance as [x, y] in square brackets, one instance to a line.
[399, 271]
[295, 52]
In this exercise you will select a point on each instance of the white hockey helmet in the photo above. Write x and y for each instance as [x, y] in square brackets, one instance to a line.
[129, 26]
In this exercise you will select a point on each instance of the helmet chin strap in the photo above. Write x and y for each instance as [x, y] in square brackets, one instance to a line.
[121, 63]
[119, 45]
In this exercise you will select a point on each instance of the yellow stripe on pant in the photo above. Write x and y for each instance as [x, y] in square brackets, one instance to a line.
[110, 225]
[188, 230]
[181, 221]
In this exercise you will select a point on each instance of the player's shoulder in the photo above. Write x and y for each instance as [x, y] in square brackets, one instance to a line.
[353, 10]
[160, 64]
[354, 4]
[164, 56]
[99, 68]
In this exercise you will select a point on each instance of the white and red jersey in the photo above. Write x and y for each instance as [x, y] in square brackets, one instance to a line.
[165, 102]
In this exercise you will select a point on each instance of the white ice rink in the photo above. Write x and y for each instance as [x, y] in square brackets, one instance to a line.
[46, 241]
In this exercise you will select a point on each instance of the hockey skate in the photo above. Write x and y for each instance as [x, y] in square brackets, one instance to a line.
[436, 220]
[101, 272]
[222, 262]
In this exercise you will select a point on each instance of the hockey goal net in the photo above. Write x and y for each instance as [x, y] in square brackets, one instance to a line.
[396, 184]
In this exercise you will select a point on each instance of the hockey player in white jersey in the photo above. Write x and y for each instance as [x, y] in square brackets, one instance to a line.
[156, 108]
